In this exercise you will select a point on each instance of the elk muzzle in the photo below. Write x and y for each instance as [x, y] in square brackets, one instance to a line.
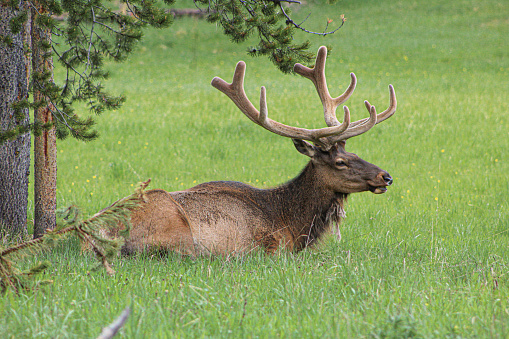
[379, 185]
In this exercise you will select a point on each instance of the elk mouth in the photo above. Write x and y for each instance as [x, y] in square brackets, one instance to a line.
[377, 189]
[379, 185]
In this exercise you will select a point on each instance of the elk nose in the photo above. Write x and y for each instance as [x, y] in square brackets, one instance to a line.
[387, 178]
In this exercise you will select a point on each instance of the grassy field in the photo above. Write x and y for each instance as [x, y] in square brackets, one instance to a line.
[430, 258]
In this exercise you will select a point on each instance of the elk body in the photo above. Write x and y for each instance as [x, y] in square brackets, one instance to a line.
[226, 217]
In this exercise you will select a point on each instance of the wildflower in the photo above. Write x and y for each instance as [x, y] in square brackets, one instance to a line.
[119, 142]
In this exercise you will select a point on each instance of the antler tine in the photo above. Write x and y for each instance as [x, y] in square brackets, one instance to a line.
[235, 91]
[360, 128]
[317, 76]
[385, 114]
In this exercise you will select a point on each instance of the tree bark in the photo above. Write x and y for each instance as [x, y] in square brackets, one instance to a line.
[45, 147]
[14, 154]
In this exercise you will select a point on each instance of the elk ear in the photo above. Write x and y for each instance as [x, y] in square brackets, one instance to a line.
[304, 147]
[342, 144]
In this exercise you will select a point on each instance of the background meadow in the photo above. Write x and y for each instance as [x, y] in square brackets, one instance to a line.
[427, 259]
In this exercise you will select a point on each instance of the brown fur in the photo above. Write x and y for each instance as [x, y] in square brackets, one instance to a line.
[160, 223]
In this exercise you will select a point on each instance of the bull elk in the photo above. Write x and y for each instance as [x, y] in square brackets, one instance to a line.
[227, 217]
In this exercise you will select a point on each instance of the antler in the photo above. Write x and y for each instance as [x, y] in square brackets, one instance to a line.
[317, 76]
[324, 137]
[235, 91]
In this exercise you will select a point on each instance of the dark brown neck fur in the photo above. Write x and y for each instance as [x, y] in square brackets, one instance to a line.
[311, 210]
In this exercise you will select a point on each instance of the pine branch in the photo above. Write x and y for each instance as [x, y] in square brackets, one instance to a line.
[97, 251]
[33, 242]
[6, 273]
[289, 20]
[273, 24]
[89, 32]
[88, 231]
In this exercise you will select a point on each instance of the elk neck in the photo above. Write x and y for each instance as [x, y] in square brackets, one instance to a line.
[307, 207]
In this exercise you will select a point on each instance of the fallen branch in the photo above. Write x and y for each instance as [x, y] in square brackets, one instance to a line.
[110, 331]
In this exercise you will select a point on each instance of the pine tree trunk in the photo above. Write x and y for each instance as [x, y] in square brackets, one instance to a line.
[45, 147]
[14, 154]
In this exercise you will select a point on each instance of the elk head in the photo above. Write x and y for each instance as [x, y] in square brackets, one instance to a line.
[336, 169]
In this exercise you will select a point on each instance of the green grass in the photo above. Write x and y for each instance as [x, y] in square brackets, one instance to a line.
[429, 258]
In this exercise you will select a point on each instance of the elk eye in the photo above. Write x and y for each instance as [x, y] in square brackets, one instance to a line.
[340, 163]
